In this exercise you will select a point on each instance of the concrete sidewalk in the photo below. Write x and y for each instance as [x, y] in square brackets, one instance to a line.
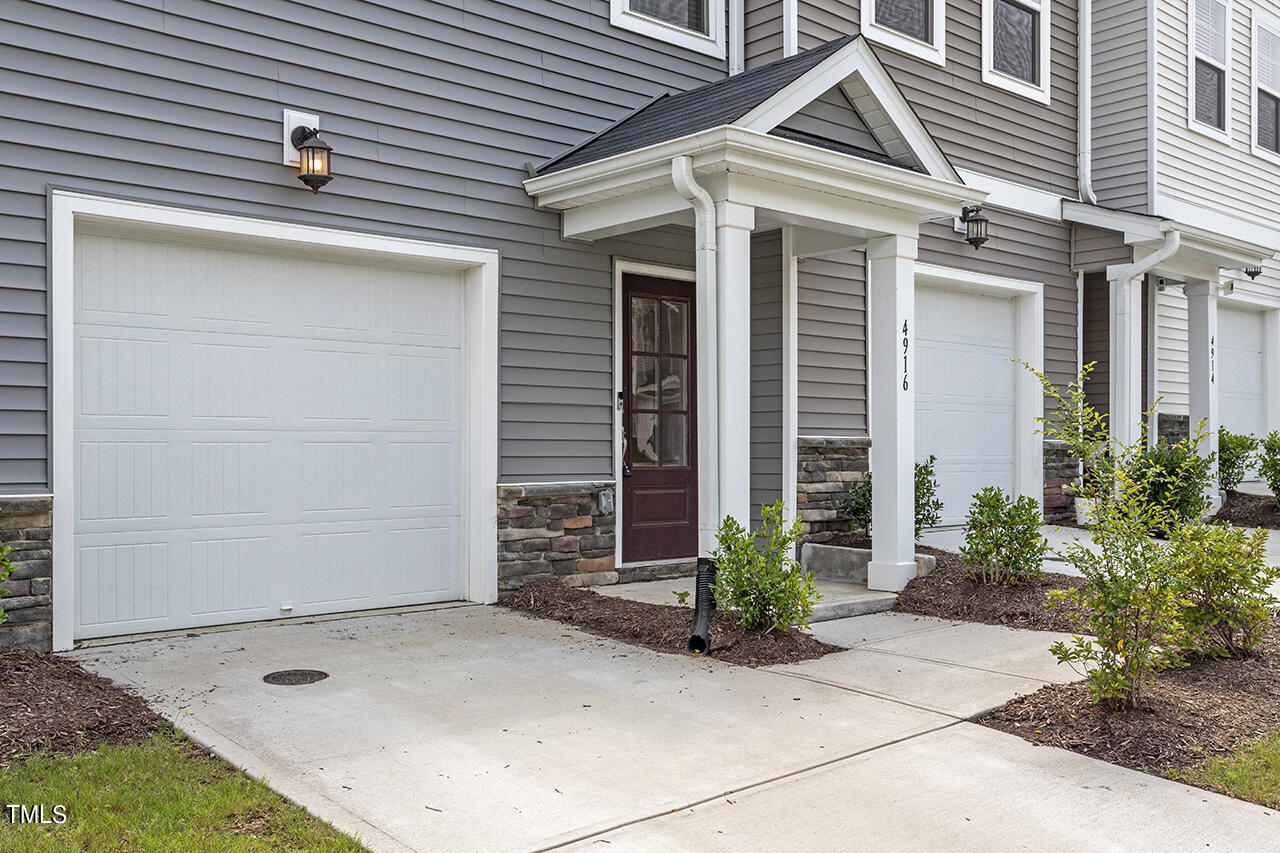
[475, 728]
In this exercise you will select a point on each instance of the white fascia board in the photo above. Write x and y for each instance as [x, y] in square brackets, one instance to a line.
[854, 59]
[728, 148]
[1014, 196]
[1138, 225]
[1207, 221]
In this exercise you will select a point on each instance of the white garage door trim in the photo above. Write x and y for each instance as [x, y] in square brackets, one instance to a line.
[1028, 346]
[479, 269]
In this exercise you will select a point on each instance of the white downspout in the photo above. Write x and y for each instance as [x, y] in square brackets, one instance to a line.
[1169, 248]
[708, 391]
[1084, 104]
[737, 36]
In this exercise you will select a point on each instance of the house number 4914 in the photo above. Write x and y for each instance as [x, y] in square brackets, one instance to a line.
[906, 345]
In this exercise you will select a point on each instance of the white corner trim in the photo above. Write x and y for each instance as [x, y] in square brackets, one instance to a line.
[480, 273]
[1035, 91]
[790, 27]
[935, 52]
[621, 267]
[1222, 134]
[1014, 196]
[621, 15]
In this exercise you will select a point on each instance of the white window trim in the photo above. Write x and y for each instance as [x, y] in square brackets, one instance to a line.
[620, 15]
[479, 270]
[1260, 19]
[1223, 135]
[935, 52]
[992, 77]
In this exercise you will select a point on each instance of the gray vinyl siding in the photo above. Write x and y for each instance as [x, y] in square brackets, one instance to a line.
[979, 127]
[1120, 109]
[766, 371]
[830, 116]
[1094, 249]
[1021, 247]
[432, 109]
[762, 33]
[1097, 345]
[831, 315]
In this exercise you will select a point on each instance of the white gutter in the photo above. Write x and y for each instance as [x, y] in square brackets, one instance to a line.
[705, 320]
[1084, 104]
[737, 36]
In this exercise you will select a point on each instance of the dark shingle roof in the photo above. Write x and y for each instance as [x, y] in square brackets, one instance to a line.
[715, 104]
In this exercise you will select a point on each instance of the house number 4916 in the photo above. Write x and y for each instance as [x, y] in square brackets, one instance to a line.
[906, 345]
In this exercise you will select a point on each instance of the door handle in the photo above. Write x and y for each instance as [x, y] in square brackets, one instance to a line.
[626, 454]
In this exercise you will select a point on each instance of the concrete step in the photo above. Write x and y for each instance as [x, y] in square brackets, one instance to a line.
[840, 599]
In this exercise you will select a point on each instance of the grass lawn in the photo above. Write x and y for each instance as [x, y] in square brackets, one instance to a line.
[162, 795]
[1250, 773]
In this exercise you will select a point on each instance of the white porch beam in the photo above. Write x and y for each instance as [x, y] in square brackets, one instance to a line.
[625, 214]
[891, 352]
[1126, 359]
[734, 223]
[1202, 334]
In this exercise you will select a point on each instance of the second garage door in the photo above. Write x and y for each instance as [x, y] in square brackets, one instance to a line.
[965, 393]
[1241, 407]
[261, 434]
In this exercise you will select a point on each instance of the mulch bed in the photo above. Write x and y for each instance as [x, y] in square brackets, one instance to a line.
[947, 594]
[51, 704]
[663, 629]
[1245, 510]
[1207, 709]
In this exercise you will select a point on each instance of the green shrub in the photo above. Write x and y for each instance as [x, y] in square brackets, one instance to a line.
[1226, 585]
[1002, 539]
[6, 569]
[1130, 600]
[1269, 463]
[1174, 477]
[1234, 454]
[856, 503]
[757, 577]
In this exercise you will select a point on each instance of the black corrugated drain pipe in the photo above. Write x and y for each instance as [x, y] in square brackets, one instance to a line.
[704, 605]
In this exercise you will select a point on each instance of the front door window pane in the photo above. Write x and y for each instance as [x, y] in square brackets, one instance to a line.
[675, 440]
[675, 327]
[644, 324]
[644, 382]
[644, 440]
[673, 386]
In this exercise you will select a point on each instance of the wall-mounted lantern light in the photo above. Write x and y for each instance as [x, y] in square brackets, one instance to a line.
[313, 157]
[975, 225]
[1253, 271]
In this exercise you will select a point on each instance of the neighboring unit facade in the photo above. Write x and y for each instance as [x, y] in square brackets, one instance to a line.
[590, 277]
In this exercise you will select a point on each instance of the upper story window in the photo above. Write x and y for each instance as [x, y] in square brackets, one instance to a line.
[1015, 46]
[1209, 74]
[694, 24]
[917, 27]
[1266, 83]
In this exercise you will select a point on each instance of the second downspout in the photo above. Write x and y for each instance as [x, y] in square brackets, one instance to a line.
[1084, 105]
[707, 436]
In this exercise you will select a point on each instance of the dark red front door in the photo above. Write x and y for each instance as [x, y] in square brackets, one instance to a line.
[660, 464]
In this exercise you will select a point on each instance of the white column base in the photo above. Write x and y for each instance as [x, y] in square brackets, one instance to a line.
[890, 577]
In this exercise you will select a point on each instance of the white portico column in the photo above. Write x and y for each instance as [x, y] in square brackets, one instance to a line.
[891, 288]
[734, 223]
[1202, 334]
[1126, 359]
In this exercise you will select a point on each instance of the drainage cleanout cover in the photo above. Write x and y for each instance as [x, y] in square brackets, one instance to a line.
[292, 677]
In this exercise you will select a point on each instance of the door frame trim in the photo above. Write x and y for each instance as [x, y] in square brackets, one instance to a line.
[621, 267]
[480, 273]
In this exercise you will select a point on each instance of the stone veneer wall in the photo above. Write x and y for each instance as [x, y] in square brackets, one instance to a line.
[26, 526]
[826, 467]
[1060, 470]
[1173, 428]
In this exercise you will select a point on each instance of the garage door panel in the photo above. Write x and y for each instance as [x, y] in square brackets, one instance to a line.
[230, 458]
[965, 393]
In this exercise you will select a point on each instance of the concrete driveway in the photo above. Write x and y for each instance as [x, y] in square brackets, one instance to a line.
[473, 728]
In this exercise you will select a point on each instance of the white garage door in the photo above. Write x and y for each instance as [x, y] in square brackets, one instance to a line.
[1240, 380]
[965, 393]
[260, 434]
